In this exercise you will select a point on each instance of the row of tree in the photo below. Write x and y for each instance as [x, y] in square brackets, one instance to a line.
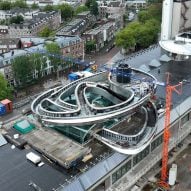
[142, 33]
[7, 5]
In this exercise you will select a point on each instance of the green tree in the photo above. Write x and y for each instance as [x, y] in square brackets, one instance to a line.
[19, 3]
[88, 3]
[80, 9]
[67, 11]
[54, 55]
[5, 5]
[125, 39]
[143, 33]
[143, 16]
[155, 10]
[45, 32]
[17, 19]
[90, 46]
[94, 8]
[34, 6]
[5, 90]
[23, 70]
[48, 8]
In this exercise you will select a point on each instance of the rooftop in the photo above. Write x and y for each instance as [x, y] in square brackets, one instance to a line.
[67, 40]
[17, 172]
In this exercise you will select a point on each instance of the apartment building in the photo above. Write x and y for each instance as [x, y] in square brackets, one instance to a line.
[101, 35]
[7, 45]
[107, 8]
[30, 28]
[25, 13]
[78, 25]
[71, 46]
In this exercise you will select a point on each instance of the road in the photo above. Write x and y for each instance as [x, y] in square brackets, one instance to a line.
[102, 57]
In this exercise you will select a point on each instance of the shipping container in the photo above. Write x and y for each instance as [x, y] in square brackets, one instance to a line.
[8, 105]
[2, 109]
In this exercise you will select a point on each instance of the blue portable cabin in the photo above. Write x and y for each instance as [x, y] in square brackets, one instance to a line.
[2, 109]
[73, 77]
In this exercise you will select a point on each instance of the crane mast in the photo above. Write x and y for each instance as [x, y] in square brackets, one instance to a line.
[166, 136]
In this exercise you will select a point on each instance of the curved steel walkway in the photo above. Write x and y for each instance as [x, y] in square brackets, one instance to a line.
[70, 105]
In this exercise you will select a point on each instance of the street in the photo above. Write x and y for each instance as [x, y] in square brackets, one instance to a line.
[103, 57]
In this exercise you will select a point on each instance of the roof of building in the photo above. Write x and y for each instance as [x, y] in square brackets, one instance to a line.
[34, 40]
[84, 13]
[72, 27]
[39, 17]
[100, 28]
[8, 41]
[14, 53]
[67, 40]
[17, 10]
[36, 49]
[114, 3]
[90, 177]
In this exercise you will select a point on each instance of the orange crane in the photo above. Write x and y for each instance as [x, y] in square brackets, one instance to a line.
[166, 136]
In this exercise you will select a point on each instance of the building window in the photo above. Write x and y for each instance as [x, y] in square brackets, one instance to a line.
[140, 156]
[114, 178]
[185, 119]
[156, 142]
[121, 171]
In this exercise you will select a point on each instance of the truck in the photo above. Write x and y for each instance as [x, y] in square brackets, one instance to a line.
[34, 158]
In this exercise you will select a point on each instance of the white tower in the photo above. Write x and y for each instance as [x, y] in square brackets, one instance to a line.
[167, 12]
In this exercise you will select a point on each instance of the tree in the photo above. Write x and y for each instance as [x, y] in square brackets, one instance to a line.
[88, 3]
[143, 16]
[54, 55]
[23, 70]
[143, 33]
[155, 10]
[48, 8]
[94, 8]
[20, 4]
[5, 5]
[45, 32]
[17, 19]
[67, 11]
[80, 9]
[90, 46]
[34, 6]
[125, 39]
[5, 90]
